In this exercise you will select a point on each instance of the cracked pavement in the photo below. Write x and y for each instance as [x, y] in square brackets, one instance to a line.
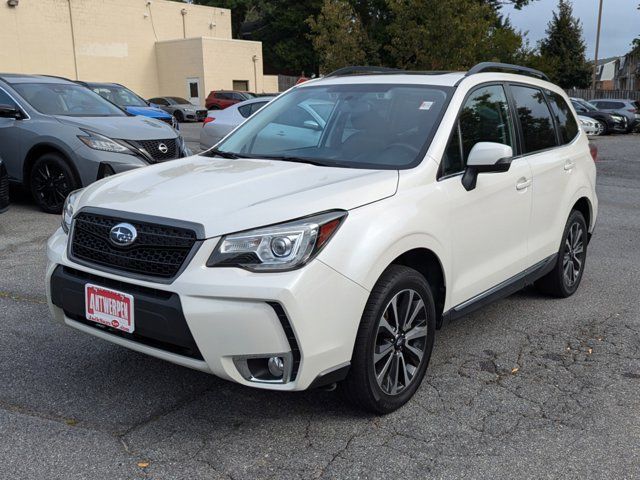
[528, 387]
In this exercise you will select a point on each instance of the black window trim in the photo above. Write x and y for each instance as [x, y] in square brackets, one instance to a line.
[440, 176]
[561, 142]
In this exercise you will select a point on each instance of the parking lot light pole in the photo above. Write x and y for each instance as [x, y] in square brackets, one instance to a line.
[595, 61]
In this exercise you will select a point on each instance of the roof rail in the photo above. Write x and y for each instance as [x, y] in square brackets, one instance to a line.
[358, 70]
[493, 66]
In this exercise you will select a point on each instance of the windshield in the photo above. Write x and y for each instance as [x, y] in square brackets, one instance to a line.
[178, 100]
[66, 99]
[361, 126]
[119, 95]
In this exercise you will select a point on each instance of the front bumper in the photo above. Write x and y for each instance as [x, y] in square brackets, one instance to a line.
[231, 313]
[90, 163]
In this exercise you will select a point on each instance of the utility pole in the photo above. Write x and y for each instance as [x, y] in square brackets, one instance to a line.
[595, 61]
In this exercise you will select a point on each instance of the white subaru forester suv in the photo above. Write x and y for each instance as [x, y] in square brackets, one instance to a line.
[326, 239]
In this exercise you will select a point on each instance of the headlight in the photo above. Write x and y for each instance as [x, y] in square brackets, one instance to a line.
[281, 247]
[69, 209]
[100, 142]
[582, 122]
[190, 110]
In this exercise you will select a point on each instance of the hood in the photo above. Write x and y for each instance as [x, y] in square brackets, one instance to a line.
[150, 112]
[123, 128]
[227, 196]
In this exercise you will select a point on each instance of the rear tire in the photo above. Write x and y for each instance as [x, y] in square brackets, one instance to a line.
[51, 180]
[564, 279]
[394, 342]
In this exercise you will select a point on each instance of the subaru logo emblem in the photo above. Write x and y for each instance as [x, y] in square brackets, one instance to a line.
[163, 148]
[123, 234]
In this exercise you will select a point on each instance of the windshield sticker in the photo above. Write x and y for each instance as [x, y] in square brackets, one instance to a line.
[425, 105]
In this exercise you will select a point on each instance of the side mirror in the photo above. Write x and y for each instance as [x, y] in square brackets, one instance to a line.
[8, 111]
[486, 157]
[311, 125]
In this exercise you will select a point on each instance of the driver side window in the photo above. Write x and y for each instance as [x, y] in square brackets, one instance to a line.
[485, 117]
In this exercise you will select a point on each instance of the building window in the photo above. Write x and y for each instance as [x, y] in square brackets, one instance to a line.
[242, 85]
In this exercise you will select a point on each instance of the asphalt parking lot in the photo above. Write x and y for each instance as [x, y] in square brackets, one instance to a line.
[529, 387]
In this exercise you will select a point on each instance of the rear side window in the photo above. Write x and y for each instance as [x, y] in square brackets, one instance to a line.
[5, 99]
[606, 105]
[484, 117]
[538, 131]
[564, 117]
[245, 110]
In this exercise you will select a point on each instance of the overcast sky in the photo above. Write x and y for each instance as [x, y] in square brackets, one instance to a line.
[620, 23]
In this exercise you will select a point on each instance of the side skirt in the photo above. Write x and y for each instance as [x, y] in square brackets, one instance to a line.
[504, 289]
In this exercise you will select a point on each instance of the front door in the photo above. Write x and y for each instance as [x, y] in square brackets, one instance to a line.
[10, 140]
[489, 224]
[193, 91]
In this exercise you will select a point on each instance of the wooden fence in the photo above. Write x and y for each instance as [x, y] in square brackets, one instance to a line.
[589, 94]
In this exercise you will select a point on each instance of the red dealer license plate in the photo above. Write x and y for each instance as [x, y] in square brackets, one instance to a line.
[109, 307]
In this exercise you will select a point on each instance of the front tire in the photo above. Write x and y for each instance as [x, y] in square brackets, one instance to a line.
[564, 279]
[179, 116]
[50, 182]
[394, 342]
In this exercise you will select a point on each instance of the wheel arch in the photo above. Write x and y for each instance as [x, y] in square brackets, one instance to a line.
[39, 150]
[427, 263]
[583, 205]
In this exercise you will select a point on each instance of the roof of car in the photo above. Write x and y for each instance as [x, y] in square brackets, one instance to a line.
[23, 78]
[613, 100]
[382, 75]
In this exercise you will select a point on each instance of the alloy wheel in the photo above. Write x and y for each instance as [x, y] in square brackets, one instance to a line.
[400, 342]
[50, 185]
[599, 128]
[573, 255]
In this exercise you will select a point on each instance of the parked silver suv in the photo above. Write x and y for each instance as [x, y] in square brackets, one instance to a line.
[57, 136]
[623, 106]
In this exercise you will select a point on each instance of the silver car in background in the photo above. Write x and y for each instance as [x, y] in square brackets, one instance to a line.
[220, 122]
[591, 126]
[57, 136]
[180, 108]
[622, 106]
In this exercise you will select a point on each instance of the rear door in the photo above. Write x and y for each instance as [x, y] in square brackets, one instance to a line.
[553, 157]
[489, 223]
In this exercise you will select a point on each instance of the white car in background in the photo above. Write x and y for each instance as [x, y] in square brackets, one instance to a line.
[220, 122]
[591, 126]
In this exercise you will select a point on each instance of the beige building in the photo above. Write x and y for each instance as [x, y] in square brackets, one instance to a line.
[154, 47]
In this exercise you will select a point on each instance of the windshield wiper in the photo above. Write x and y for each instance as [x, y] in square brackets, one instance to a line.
[215, 152]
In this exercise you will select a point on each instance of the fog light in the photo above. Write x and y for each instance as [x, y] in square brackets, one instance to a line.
[276, 366]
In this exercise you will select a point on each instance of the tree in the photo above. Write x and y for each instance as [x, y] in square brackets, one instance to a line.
[451, 35]
[337, 36]
[280, 25]
[563, 49]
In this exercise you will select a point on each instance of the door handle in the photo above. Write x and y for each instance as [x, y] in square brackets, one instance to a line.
[569, 164]
[523, 183]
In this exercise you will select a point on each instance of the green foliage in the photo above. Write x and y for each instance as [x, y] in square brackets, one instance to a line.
[314, 35]
[562, 52]
[451, 35]
[337, 36]
[280, 25]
